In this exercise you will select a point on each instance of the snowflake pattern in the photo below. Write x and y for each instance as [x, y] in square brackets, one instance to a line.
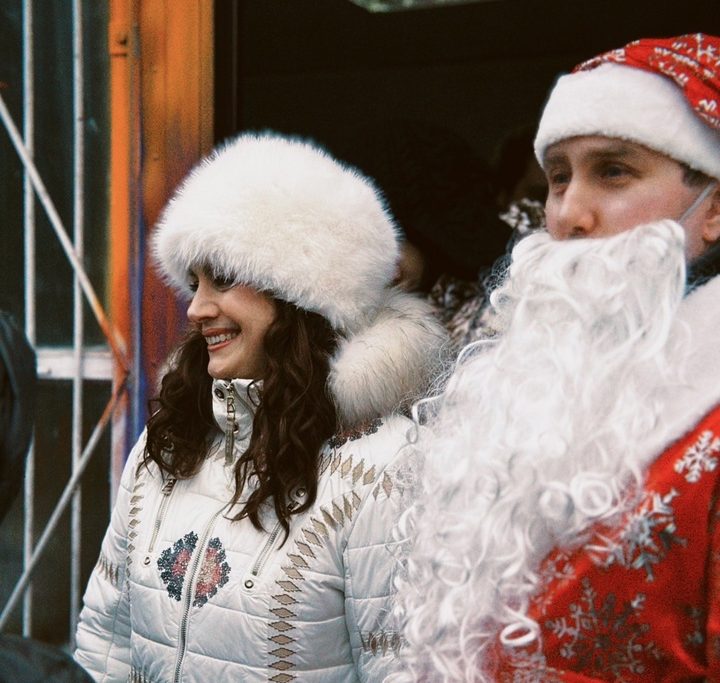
[700, 457]
[604, 639]
[697, 616]
[529, 668]
[645, 538]
[556, 573]
[691, 61]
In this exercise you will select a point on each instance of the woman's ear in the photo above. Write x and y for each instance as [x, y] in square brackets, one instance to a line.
[711, 229]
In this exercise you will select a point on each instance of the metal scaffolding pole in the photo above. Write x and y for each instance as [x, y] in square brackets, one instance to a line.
[29, 289]
[78, 325]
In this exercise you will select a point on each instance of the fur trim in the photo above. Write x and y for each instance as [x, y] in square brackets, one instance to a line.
[631, 104]
[282, 215]
[681, 410]
[390, 363]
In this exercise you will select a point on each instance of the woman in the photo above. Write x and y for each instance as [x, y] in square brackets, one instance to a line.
[250, 537]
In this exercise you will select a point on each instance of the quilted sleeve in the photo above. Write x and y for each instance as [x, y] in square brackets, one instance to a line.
[103, 635]
[369, 568]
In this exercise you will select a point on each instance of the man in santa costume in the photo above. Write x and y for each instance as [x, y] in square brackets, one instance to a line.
[567, 526]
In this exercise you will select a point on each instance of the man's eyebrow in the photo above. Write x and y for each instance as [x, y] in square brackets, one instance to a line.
[552, 158]
[616, 150]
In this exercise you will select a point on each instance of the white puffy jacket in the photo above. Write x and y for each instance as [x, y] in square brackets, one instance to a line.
[182, 593]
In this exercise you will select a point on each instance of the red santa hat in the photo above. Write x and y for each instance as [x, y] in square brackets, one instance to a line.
[663, 93]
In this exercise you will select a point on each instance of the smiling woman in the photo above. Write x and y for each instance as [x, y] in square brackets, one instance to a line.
[233, 319]
[251, 536]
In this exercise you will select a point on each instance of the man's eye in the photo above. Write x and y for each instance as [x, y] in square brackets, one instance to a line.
[556, 178]
[193, 285]
[614, 171]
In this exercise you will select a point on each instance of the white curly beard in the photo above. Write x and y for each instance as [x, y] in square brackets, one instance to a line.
[536, 438]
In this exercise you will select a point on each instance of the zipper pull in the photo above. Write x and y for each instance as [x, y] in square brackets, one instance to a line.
[168, 487]
[230, 428]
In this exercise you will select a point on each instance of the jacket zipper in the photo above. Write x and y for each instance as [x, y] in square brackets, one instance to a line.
[190, 593]
[166, 491]
[265, 552]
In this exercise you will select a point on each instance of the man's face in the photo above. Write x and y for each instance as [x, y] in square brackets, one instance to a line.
[599, 186]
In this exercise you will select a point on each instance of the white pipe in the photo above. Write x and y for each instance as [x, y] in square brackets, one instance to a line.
[29, 272]
[78, 326]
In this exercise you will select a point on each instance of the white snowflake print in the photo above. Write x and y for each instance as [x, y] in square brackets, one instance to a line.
[647, 535]
[556, 573]
[700, 457]
[604, 636]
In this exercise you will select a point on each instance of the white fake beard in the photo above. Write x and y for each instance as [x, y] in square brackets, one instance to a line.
[533, 440]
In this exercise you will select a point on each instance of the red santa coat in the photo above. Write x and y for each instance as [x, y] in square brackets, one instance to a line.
[641, 601]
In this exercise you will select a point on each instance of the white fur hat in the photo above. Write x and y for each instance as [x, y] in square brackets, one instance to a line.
[282, 215]
[629, 103]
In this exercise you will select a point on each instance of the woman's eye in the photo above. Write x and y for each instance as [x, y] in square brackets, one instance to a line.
[223, 282]
[193, 285]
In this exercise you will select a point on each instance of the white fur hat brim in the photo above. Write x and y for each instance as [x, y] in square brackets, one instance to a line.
[283, 216]
[631, 104]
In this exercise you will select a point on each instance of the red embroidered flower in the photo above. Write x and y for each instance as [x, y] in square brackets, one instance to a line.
[214, 571]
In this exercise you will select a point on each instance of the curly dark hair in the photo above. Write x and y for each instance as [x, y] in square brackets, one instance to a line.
[295, 416]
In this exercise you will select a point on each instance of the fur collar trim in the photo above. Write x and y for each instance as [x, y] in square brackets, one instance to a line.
[390, 363]
[681, 409]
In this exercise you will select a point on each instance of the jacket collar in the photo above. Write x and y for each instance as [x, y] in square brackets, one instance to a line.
[236, 400]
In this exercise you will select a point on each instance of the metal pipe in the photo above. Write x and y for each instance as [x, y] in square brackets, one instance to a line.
[29, 287]
[61, 506]
[78, 323]
[116, 345]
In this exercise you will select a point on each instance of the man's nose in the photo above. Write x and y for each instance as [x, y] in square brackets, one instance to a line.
[573, 213]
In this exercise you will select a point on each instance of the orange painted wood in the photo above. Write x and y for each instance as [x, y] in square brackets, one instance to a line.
[161, 102]
[176, 53]
[124, 172]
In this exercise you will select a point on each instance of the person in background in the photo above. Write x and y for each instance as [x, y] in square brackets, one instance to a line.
[519, 188]
[250, 536]
[567, 525]
[22, 660]
[18, 379]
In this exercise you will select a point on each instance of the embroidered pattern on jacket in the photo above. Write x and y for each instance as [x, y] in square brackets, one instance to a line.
[349, 470]
[604, 639]
[108, 571]
[647, 535]
[136, 676]
[173, 564]
[700, 457]
[355, 433]
[214, 573]
[314, 535]
[380, 642]
[136, 499]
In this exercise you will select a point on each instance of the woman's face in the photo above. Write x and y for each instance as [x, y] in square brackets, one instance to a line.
[233, 319]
